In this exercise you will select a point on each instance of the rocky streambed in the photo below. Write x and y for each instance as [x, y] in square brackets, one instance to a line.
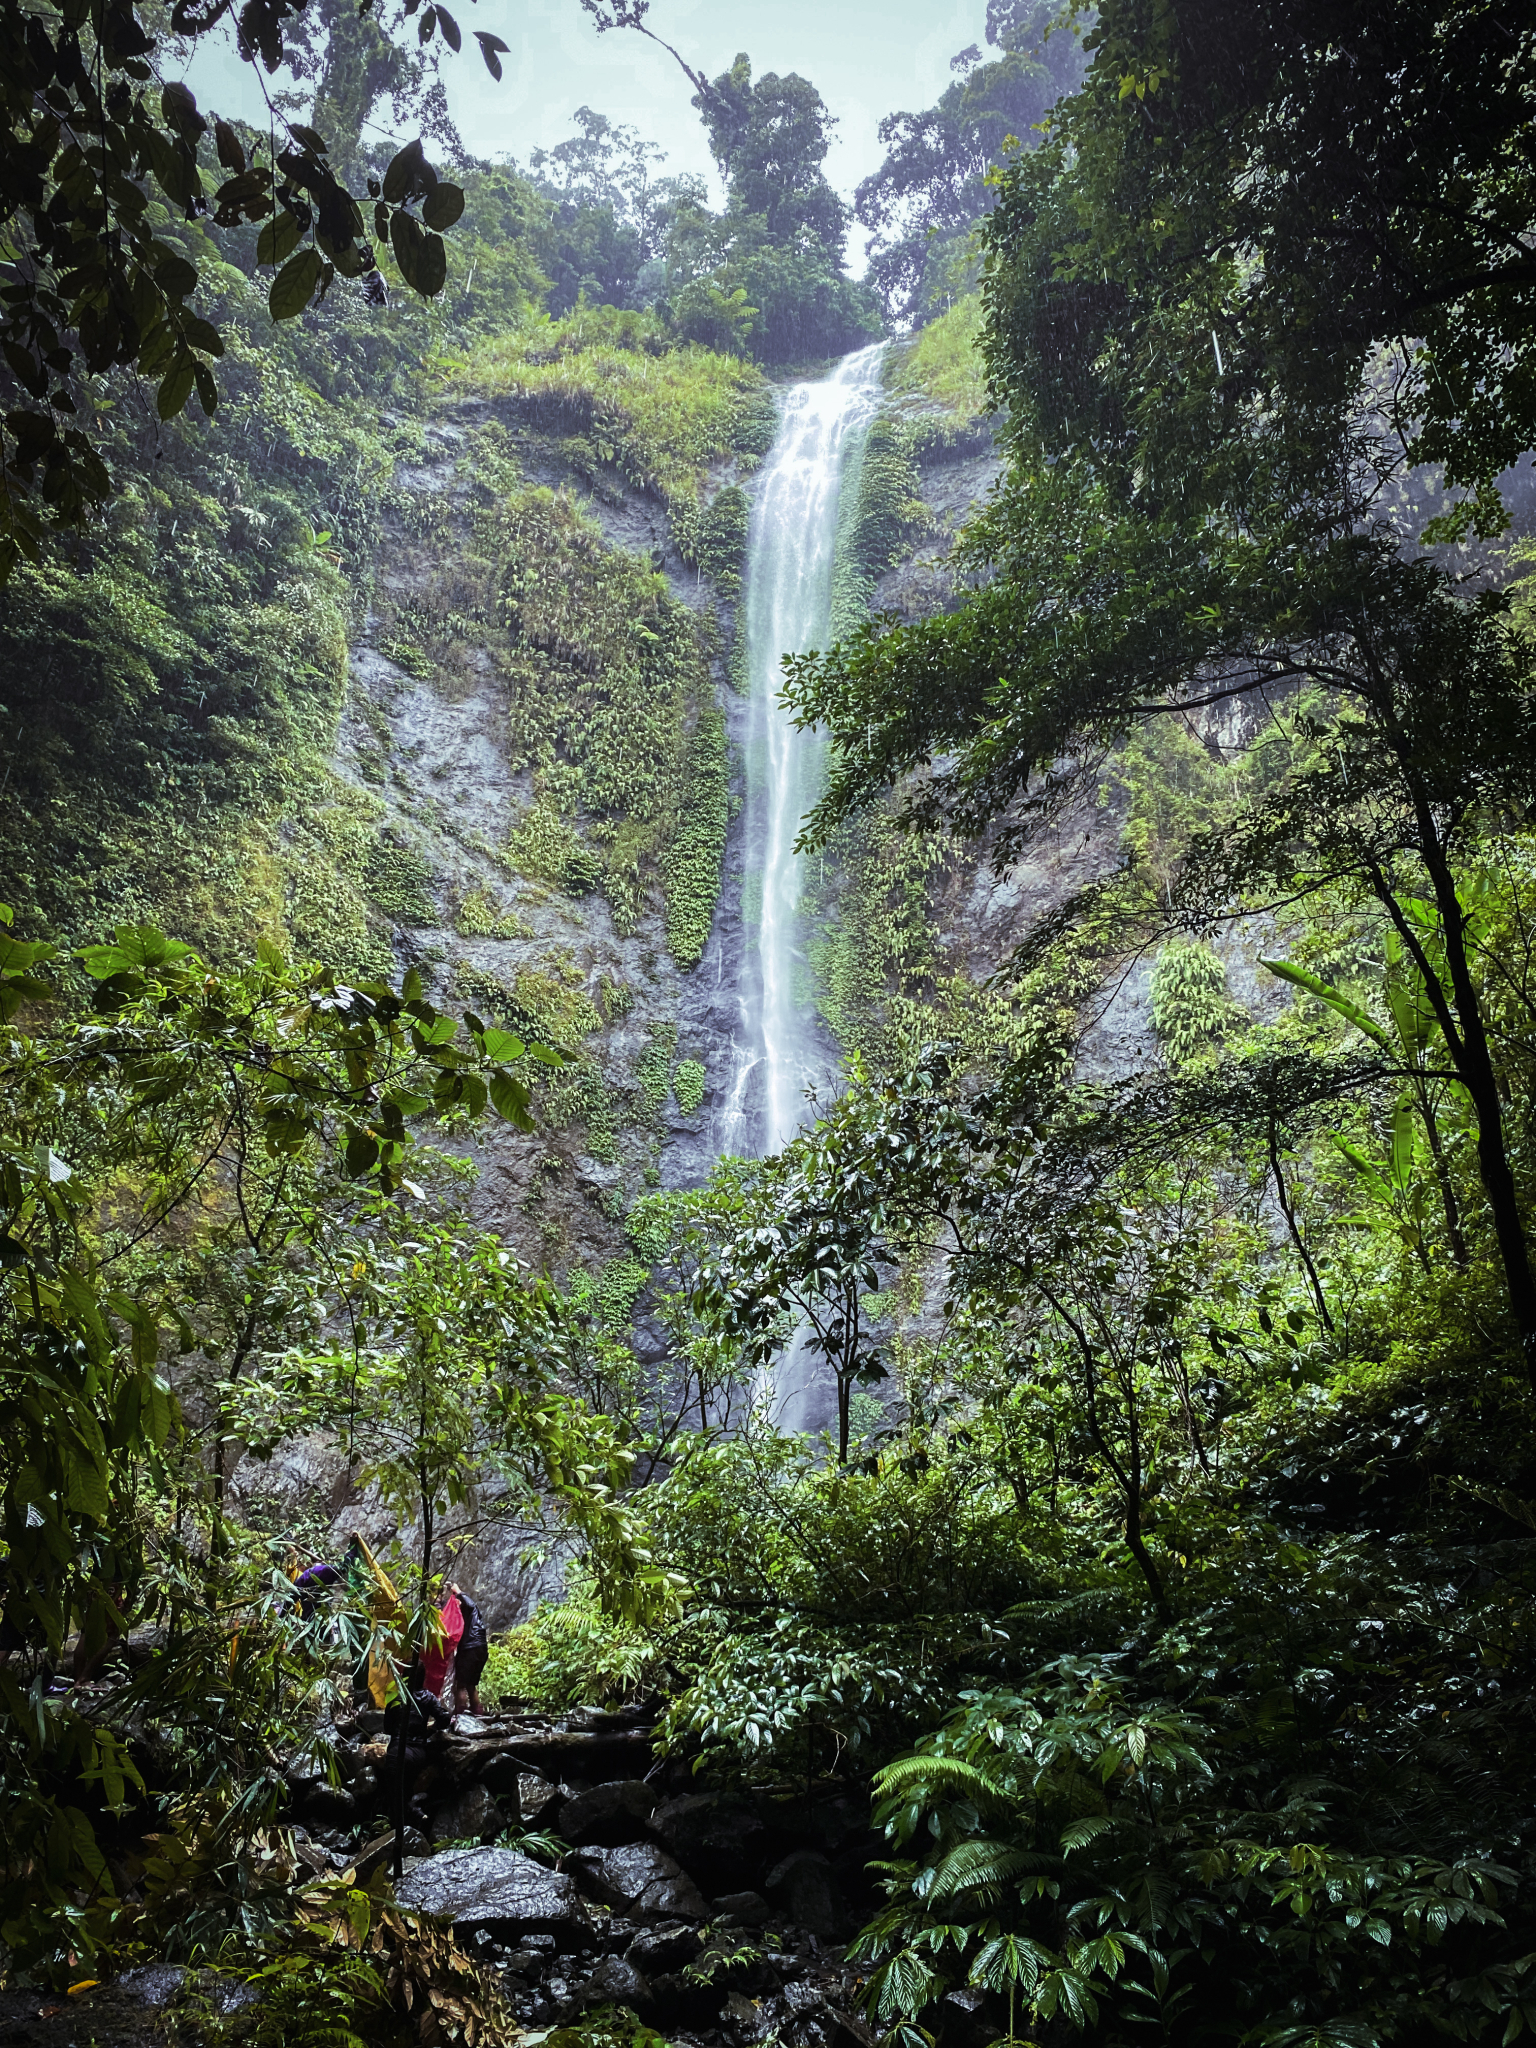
[585, 1873]
[717, 1916]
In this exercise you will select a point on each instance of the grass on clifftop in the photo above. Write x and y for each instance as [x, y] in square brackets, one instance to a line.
[942, 364]
[660, 414]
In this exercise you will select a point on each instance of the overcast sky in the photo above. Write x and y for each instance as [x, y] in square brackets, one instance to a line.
[866, 57]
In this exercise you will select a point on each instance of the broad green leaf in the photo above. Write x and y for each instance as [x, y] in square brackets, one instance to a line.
[408, 174]
[422, 257]
[278, 239]
[1326, 993]
[502, 1046]
[1405, 1144]
[509, 1095]
[294, 285]
[176, 387]
[1369, 1172]
[444, 206]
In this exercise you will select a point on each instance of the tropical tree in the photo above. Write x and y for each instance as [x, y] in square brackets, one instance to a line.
[113, 182]
[1194, 525]
[800, 1254]
[933, 187]
[133, 1130]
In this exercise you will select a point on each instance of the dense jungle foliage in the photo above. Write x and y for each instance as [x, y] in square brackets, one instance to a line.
[1166, 1582]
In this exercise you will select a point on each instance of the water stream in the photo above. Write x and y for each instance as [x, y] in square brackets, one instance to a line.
[780, 1051]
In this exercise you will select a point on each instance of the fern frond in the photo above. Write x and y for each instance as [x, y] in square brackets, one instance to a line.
[978, 1866]
[931, 1774]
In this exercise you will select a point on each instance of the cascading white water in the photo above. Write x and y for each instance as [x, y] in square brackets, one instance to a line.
[779, 1053]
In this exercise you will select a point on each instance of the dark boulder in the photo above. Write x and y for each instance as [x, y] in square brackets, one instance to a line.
[717, 1839]
[657, 1950]
[638, 1878]
[969, 2017]
[675, 2002]
[744, 1909]
[500, 1890]
[614, 1982]
[804, 1887]
[473, 1816]
[609, 1815]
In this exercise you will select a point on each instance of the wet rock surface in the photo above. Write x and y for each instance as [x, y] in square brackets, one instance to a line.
[717, 1917]
[497, 1890]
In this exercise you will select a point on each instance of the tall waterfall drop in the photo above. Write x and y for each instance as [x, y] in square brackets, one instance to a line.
[778, 1050]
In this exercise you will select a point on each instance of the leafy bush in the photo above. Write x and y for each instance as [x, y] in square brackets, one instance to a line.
[1109, 1857]
[659, 412]
[942, 363]
[688, 1081]
[695, 858]
[570, 1654]
[1190, 1006]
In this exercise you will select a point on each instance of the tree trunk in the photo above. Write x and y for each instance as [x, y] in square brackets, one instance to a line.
[247, 1337]
[1466, 1039]
[1288, 1212]
[1448, 1200]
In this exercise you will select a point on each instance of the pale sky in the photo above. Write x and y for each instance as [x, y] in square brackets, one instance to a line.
[866, 57]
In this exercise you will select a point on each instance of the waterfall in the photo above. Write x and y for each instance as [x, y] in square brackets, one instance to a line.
[779, 1051]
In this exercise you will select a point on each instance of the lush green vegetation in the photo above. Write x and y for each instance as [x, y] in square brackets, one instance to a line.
[1166, 1577]
[942, 365]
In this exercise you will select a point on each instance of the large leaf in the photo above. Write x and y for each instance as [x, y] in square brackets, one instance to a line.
[408, 175]
[1405, 1143]
[1367, 1169]
[278, 239]
[134, 949]
[1416, 1022]
[443, 207]
[1011, 1961]
[176, 386]
[422, 257]
[509, 1096]
[490, 47]
[502, 1046]
[1326, 993]
[294, 285]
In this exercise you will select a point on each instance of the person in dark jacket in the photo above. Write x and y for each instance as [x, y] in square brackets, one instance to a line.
[469, 1661]
[308, 1585]
[411, 1720]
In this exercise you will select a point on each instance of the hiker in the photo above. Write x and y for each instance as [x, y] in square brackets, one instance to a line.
[469, 1660]
[412, 1717]
[308, 1582]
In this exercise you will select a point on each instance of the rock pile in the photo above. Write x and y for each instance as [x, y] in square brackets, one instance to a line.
[717, 1917]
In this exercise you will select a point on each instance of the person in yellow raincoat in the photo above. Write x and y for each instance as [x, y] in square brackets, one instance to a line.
[388, 1647]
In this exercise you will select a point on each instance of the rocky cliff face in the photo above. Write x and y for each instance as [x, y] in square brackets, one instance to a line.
[515, 563]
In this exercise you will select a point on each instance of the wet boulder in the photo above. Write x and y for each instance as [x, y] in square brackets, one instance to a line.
[609, 1815]
[742, 1909]
[615, 1981]
[639, 1878]
[473, 1817]
[718, 1839]
[498, 1889]
[805, 1889]
[658, 1950]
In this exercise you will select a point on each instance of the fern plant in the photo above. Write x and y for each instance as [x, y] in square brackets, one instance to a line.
[1190, 1006]
[1107, 1861]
